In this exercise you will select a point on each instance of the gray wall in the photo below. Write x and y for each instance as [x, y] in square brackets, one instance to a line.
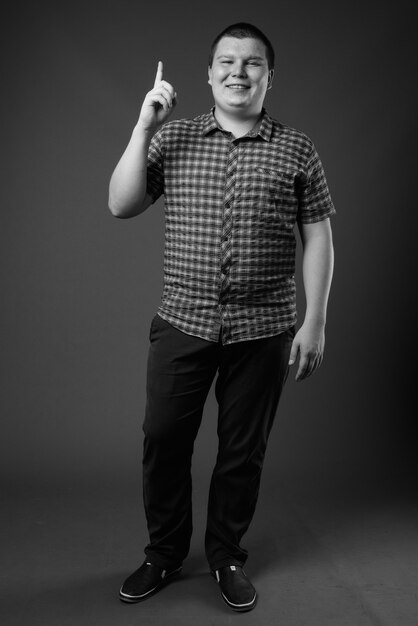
[79, 288]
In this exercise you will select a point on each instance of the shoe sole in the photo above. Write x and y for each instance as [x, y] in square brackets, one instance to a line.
[240, 608]
[134, 599]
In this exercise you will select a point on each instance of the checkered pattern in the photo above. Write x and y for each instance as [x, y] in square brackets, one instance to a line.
[230, 209]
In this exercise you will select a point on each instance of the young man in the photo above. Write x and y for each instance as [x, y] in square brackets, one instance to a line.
[235, 183]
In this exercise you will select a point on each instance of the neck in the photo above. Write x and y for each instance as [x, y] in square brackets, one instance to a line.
[238, 125]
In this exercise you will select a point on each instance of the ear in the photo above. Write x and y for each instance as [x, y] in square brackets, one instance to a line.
[270, 80]
[210, 75]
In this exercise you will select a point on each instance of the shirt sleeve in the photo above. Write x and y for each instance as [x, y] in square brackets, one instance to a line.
[155, 167]
[315, 202]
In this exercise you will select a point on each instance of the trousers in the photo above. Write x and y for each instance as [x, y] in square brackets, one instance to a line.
[180, 372]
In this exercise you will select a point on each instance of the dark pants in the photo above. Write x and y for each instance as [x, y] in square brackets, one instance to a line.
[181, 369]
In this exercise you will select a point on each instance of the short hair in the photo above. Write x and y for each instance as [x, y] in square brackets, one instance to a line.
[242, 30]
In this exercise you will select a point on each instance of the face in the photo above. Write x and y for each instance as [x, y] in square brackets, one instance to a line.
[239, 75]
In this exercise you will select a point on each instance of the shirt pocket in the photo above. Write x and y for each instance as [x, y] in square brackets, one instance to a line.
[274, 197]
[270, 182]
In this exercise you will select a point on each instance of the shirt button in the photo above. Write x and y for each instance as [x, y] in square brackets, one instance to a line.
[227, 205]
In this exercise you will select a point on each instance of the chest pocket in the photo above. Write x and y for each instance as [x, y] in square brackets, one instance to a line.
[269, 182]
[274, 197]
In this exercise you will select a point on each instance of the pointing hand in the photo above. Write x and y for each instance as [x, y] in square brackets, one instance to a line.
[159, 103]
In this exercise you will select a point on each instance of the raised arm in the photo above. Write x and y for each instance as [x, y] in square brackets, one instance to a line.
[128, 184]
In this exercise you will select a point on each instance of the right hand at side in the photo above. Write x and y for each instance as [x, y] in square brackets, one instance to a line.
[159, 103]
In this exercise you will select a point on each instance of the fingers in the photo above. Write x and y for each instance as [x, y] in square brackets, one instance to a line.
[159, 75]
[309, 362]
[309, 345]
[160, 99]
[304, 361]
[293, 352]
[163, 94]
[166, 92]
[303, 364]
[159, 102]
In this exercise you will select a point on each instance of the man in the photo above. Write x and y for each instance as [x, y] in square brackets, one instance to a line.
[235, 183]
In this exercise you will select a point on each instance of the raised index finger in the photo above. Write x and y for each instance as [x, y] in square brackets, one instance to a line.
[159, 75]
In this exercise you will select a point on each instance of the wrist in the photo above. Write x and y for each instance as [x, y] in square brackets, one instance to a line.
[318, 321]
[143, 131]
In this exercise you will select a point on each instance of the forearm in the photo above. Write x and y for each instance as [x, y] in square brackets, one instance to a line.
[318, 264]
[128, 184]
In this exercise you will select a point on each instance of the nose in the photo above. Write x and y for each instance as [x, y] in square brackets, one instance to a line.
[238, 69]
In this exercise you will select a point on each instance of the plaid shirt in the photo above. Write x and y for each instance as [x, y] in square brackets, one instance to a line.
[230, 210]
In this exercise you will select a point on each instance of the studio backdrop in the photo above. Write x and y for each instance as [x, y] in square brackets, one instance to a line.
[79, 287]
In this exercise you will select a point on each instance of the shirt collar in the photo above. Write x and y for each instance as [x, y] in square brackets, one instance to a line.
[264, 129]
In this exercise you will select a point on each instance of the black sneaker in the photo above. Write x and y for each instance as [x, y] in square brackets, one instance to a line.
[236, 588]
[145, 581]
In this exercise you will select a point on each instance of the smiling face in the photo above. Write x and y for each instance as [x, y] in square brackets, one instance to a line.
[239, 76]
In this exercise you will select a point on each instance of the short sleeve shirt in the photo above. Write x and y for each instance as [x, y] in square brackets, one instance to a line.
[231, 206]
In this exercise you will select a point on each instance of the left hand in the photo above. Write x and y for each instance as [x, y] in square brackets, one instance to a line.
[309, 343]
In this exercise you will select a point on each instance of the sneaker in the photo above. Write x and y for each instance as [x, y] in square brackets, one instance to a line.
[145, 581]
[236, 588]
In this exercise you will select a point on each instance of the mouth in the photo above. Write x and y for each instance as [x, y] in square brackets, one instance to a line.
[237, 86]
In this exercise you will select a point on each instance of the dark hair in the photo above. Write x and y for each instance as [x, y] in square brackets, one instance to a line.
[241, 30]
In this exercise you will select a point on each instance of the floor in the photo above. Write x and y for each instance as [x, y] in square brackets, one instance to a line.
[348, 557]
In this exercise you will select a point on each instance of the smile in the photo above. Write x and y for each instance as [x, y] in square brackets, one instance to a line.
[237, 86]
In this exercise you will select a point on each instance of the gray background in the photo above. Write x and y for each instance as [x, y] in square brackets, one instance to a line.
[79, 288]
